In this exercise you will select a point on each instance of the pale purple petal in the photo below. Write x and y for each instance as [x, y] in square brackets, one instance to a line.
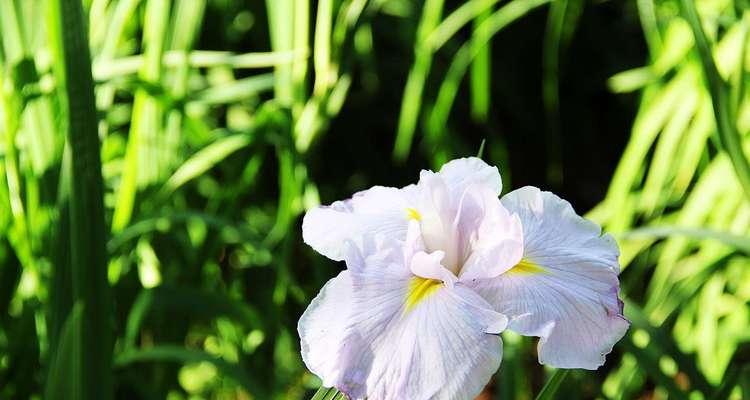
[565, 291]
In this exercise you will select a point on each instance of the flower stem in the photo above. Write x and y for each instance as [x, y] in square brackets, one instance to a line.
[550, 388]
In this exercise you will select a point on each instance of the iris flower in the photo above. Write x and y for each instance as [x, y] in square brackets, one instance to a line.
[437, 270]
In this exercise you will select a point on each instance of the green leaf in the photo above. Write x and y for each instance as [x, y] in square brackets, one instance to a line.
[730, 138]
[190, 303]
[739, 242]
[553, 384]
[325, 393]
[67, 30]
[204, 160]
[65, 378]
[182, 355]
[413, 91]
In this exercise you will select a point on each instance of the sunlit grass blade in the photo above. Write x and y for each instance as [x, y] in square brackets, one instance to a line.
[482, 35]
[725, 122]
[235, 91]
[739, 242]
[665, 345]
[413, 91]
[141, 167]
[204, 159]
[87, 234]
[480, 75]
[281, 18]
[107, 69]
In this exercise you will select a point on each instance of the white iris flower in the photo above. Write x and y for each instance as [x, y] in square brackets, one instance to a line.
[436, 270]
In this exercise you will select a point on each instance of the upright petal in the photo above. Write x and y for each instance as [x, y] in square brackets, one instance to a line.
[496, 238]
[463, 172]
[565, 288]
[383, 210]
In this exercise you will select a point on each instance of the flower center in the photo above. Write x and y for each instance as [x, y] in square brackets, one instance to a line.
[419, 289]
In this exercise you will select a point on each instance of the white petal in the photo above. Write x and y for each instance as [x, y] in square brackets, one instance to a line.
[497, 243]
[321, 328]
[441, 349]
[383, 210]
[463, 172]
[446, 346]
[427, 265]
[566, 290]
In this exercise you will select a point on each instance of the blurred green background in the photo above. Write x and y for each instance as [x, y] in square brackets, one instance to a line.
[177, 261]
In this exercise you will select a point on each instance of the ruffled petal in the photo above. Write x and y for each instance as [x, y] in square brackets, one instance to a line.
[565, 288]
[445, 345]
[322, 328]
[460, 173]
[495, 236]
[379, 210]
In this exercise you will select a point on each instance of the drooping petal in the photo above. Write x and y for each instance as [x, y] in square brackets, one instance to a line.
[446, 347]
[565, 288]
[463, 172]
[383, 210]
[439, 343]
[322, 328]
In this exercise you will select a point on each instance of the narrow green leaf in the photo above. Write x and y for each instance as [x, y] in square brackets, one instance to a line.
[191, 303]
[412, 99]
[739, 242]
[87, 233]
[725, 122]
[106, 69]
[483, 34]
[65, 378]
[142, 165]
[325, 393]
[235, 91]
[169, 353]
[480, 74]
[481, 149]
[553, 384]
[204, 160]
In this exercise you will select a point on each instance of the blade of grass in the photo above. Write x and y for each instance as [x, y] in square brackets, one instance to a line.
[87, 234]
[553, 384]
[325, 393]
[480, 74]
[739, 242]
[561, 22]
[191, 303]
[727, 130]
[447, 94]
[412, 97]
[141, 168]
[281, 18]
[64, 380]
[204, 159]
[181, 355]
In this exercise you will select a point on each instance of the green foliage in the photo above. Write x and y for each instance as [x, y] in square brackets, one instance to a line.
[154, 169]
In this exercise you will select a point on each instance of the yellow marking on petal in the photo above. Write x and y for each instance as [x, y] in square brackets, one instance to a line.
[526, 267]
[413, 214]
[419, 289]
